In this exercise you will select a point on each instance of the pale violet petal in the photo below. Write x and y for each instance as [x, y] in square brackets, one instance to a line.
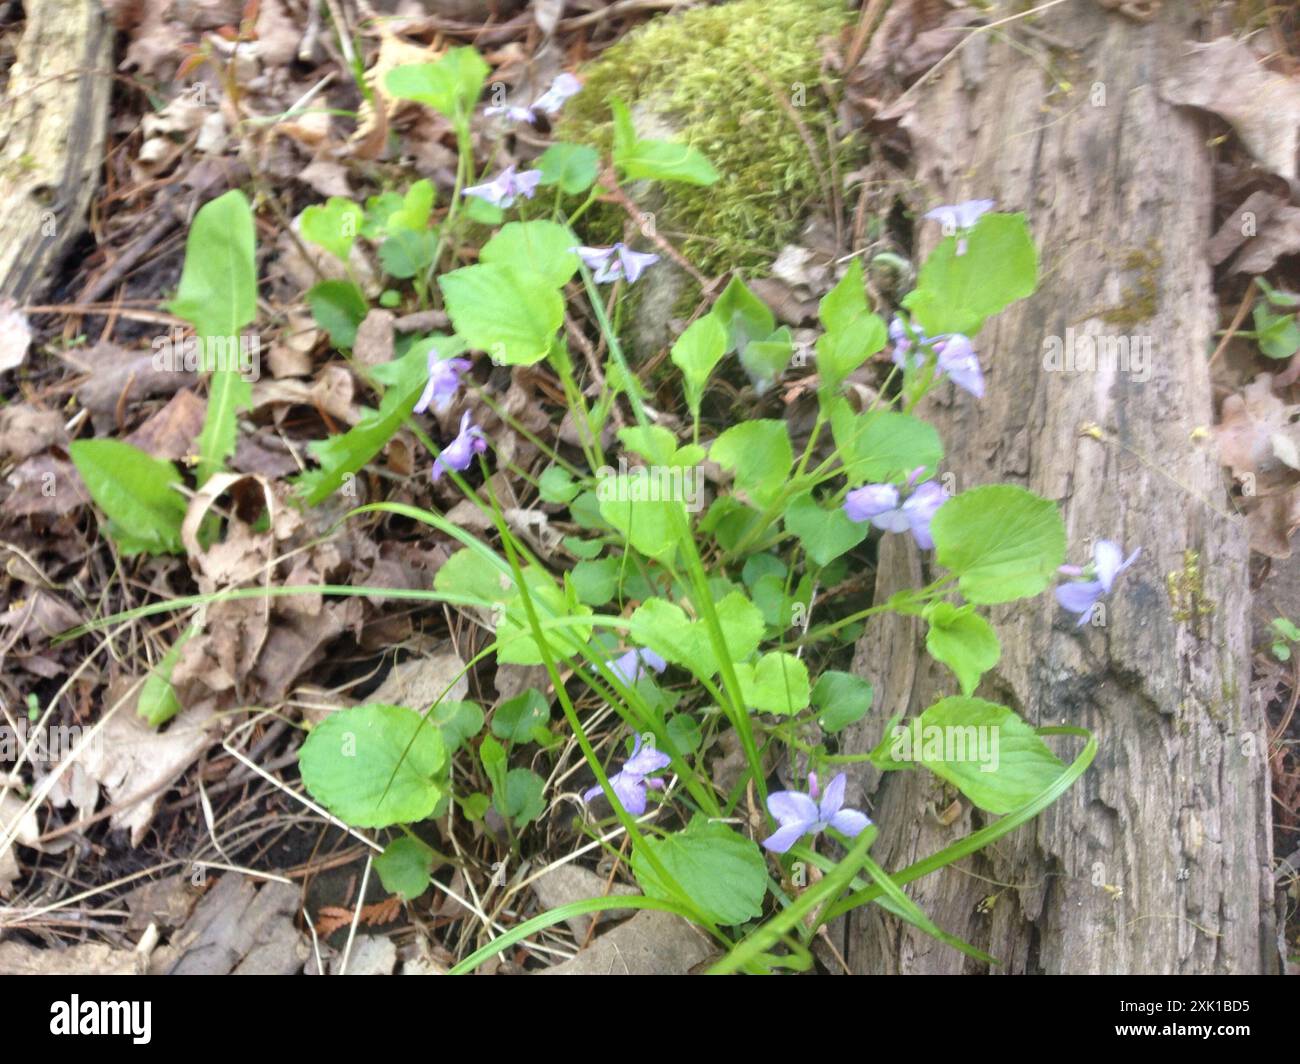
[635, 262]
[786, 836]
[871, 500]
[1079, 595]
[1108, 557]
[850, 822]
[833, 799]
[791, 807]
[630, 791]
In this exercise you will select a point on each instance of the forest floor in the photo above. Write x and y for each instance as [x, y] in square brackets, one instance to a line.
[192, 846]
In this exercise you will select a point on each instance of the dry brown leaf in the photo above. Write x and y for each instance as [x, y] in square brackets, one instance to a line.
[170, 433]
[156, 44]
[1272, 522]
[298, 640]
[422, 681]
[373, 120]
[374, 343]
[26, 430]
[1225, 78]
[38, 615]
[118, 378]
[129, 759]
[44, 485]
[278, 33]
[1278, 236]
[243, 553]
[1241, 225]
[15, 335]
[87, 958]
[1257, 435]
[327, 177]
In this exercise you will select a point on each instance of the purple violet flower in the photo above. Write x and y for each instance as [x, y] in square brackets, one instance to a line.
[564, 86]
[879, 504]
[960, 215]
[460, 452]
[631, 666]
[802, 814]
[955, 353]
[444, 382]
[1094, 579]
[630, 784]
[616, 263]
[903, 356]
[506, 187]
[549, 103]
[958, 360]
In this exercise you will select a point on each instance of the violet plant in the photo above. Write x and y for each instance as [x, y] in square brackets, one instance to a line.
[687, 621]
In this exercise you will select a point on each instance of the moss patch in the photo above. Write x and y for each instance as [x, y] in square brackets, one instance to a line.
[713, 74]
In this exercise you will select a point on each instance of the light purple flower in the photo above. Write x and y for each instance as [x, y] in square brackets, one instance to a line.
[958, 216]
[958, 360]
[920, 508]
[506, 187]
[879, 504]
[956, 355]
[444, 382]
[616, 263]
[1093, 580]
[631, 666]
[802, 814]
[903, 355]
[564, 86]
[460, 452]
[630, 784]
[549, 103]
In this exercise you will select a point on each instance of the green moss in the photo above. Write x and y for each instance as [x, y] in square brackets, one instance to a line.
[1141, 302]
[1186, 589]
[718, 76]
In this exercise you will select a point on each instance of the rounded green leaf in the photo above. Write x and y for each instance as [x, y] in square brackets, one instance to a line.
[824, 534]
[973, 275]
[405, 866]
[458, 721]
[333, 225]
[515, 719]
[338, 307]
[882, 445]
[574, 167]
[983, 749]
[761, 455]
[841, 699]
[374, 765]
[496, 308]
[451, 86]
[1001, 542]
[962, 640]
[521, 800]
[634, 504]
[776, 683]
[539, 248]
[722, 873]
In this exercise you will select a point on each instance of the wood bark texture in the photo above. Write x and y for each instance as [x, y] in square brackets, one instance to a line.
[1158, 859]
[52, 130]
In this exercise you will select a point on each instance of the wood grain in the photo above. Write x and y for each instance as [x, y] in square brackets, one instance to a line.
[1158, 859]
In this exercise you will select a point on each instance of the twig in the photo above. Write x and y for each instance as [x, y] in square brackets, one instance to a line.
[1246, 302]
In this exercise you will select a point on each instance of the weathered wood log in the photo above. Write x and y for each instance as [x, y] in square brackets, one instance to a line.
[1158, 859]
[52, 130]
